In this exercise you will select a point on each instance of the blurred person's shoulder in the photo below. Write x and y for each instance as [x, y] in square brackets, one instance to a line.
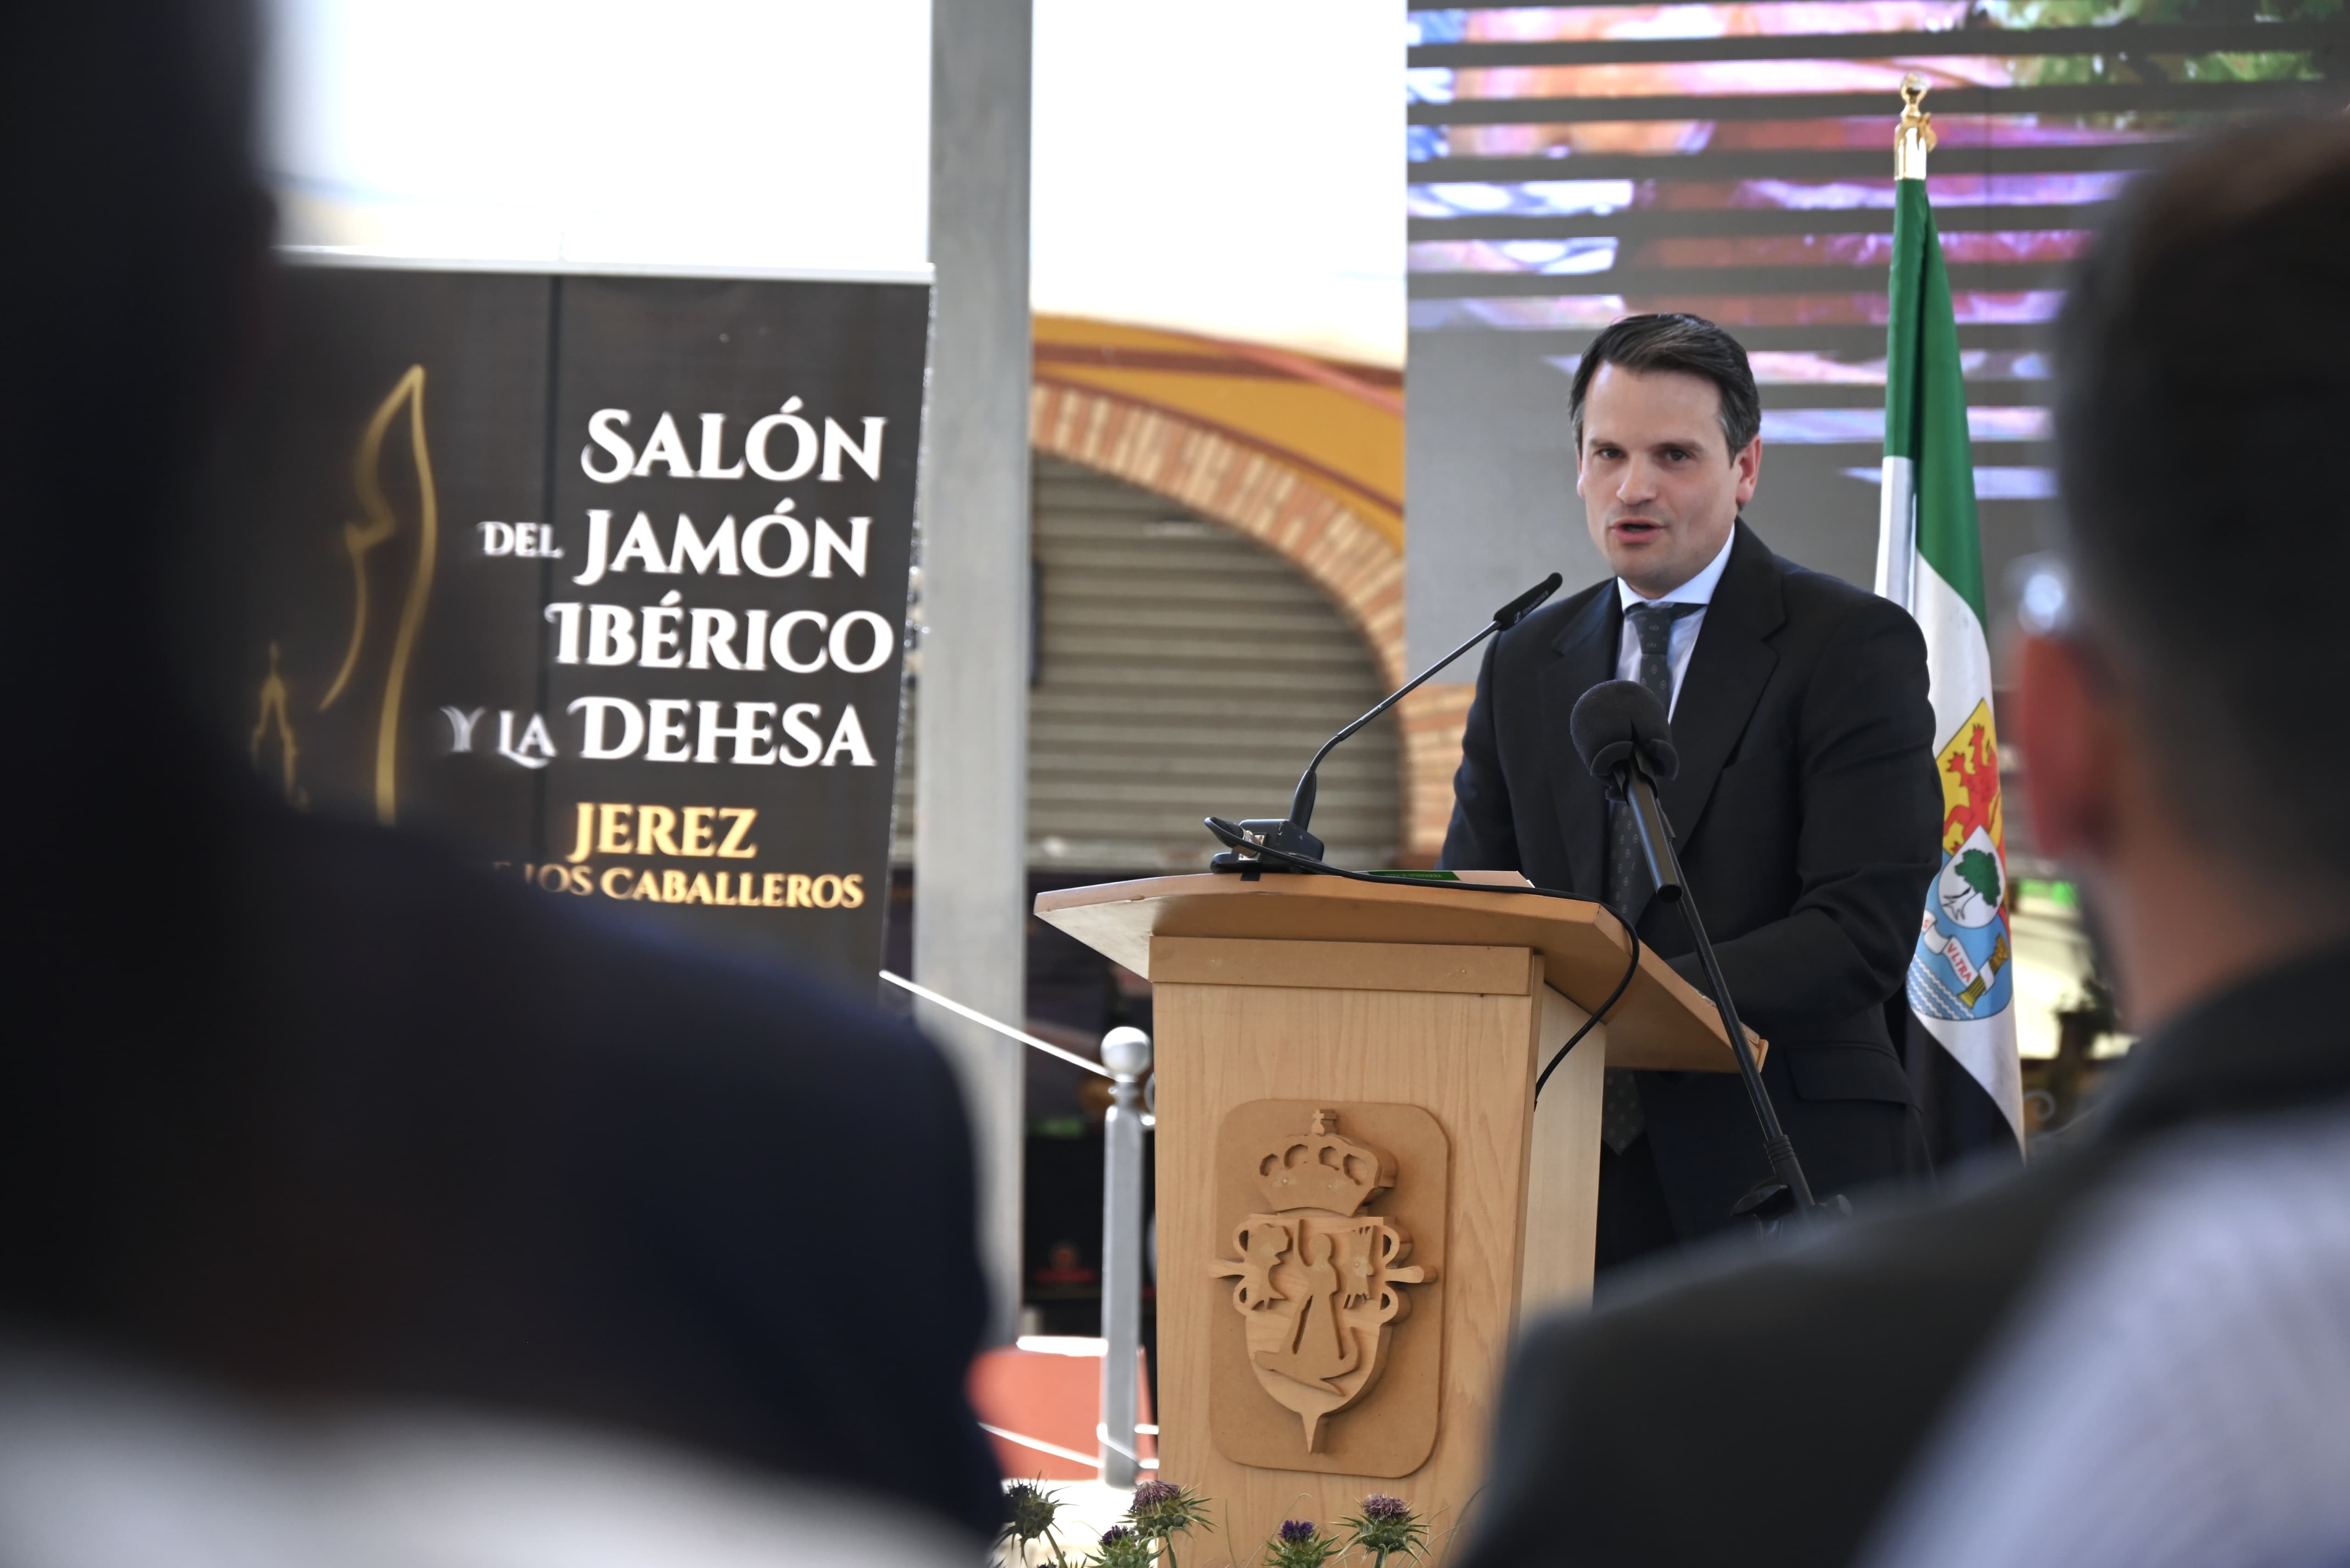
[390, 935]
[1789, 1386]
[1796, 1386]
[550, 1159]
[104, 1461]
[2176, 1390]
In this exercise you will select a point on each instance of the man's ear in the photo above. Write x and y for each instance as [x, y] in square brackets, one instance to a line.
[2072, 745]
[1749, 464]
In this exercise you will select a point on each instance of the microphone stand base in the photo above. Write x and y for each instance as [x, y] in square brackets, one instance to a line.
[1274, 833]
[1767, 1201]
[1770, 1202]
[1250, 868]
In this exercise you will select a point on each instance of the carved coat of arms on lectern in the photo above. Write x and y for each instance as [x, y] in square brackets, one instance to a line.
[1320, 1282]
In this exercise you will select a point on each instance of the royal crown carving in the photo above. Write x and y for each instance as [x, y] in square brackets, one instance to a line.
[1320, 1284]
[1324, 1170]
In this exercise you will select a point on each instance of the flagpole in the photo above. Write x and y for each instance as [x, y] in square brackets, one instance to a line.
[1896, 541]
[1913, 137]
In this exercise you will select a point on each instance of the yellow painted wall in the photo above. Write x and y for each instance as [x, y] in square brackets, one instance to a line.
[1342, 423]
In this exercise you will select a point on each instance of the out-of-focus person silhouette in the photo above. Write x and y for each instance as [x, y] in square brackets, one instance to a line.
[102, 1467]
[310, 1114]
[2178, 1394]
[2185, 731]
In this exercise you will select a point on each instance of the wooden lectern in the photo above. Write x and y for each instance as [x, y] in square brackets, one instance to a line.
[1359, 1195]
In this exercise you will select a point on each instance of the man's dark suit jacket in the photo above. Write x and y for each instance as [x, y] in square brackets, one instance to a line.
[332, 1116]
[1808, 819]
[1762, 1412]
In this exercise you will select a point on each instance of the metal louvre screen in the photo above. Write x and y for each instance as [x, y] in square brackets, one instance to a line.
[1570, 164]
[1183, 670]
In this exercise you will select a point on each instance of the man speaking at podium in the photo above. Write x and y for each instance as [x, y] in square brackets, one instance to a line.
[1807, 809]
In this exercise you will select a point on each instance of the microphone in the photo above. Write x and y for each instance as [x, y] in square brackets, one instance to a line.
[1289, 833]
[1614, 724]
[1623, 736]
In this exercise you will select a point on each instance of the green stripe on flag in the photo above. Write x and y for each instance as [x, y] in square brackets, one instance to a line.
[1926, 399]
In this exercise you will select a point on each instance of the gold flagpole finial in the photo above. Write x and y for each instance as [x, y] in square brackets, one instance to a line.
[1914, 137]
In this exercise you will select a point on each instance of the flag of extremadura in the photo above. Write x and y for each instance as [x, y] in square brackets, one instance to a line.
[1930, 559]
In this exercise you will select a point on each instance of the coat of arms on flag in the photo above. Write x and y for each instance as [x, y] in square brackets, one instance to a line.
[1960, 970]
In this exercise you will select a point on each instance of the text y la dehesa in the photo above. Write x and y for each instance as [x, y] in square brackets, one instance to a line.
[778, 546]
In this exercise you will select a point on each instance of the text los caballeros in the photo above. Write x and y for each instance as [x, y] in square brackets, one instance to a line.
[697, 831]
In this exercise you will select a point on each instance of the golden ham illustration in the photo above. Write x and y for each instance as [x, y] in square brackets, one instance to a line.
[364, 541]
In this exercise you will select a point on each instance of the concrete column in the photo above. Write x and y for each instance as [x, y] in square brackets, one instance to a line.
[971, 882]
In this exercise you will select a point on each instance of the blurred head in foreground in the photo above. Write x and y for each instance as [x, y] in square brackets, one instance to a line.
[2175, 1387]
[129, 286]
[2184, 717]
[128, 291]
[315, 1114]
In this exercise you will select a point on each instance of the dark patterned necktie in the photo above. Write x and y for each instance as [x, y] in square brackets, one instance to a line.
[1628, 886]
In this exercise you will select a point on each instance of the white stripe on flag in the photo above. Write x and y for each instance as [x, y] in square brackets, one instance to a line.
[1897, 532]
[1959, 664]
[1985, 1047]
[1958, 653]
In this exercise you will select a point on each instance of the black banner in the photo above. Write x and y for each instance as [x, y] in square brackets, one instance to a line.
[602, 576]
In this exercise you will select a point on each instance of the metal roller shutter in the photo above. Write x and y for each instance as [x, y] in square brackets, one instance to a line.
[1183, 669]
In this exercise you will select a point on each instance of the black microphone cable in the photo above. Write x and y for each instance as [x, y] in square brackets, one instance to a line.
[1229, 833]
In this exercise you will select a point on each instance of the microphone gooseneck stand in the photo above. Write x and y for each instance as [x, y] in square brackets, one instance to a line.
[1289, 833]
[1284, 844]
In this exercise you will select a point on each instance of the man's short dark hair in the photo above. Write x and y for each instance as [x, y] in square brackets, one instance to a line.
[1689, 343]
[2202, 416]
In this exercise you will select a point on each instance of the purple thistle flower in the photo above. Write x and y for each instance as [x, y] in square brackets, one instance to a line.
[1386, 1528]
[1296, 1530]
[1153, 1494]
[1114, 1534]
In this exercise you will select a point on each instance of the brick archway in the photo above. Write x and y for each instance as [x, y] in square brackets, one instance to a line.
[1302, 515]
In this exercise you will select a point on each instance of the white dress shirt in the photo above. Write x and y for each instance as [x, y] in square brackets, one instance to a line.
[1698, 590]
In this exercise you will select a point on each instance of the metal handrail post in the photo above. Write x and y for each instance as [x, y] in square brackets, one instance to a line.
[1126, 1054]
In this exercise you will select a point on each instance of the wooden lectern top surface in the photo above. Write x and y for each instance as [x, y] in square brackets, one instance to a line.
[1662, 1022]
